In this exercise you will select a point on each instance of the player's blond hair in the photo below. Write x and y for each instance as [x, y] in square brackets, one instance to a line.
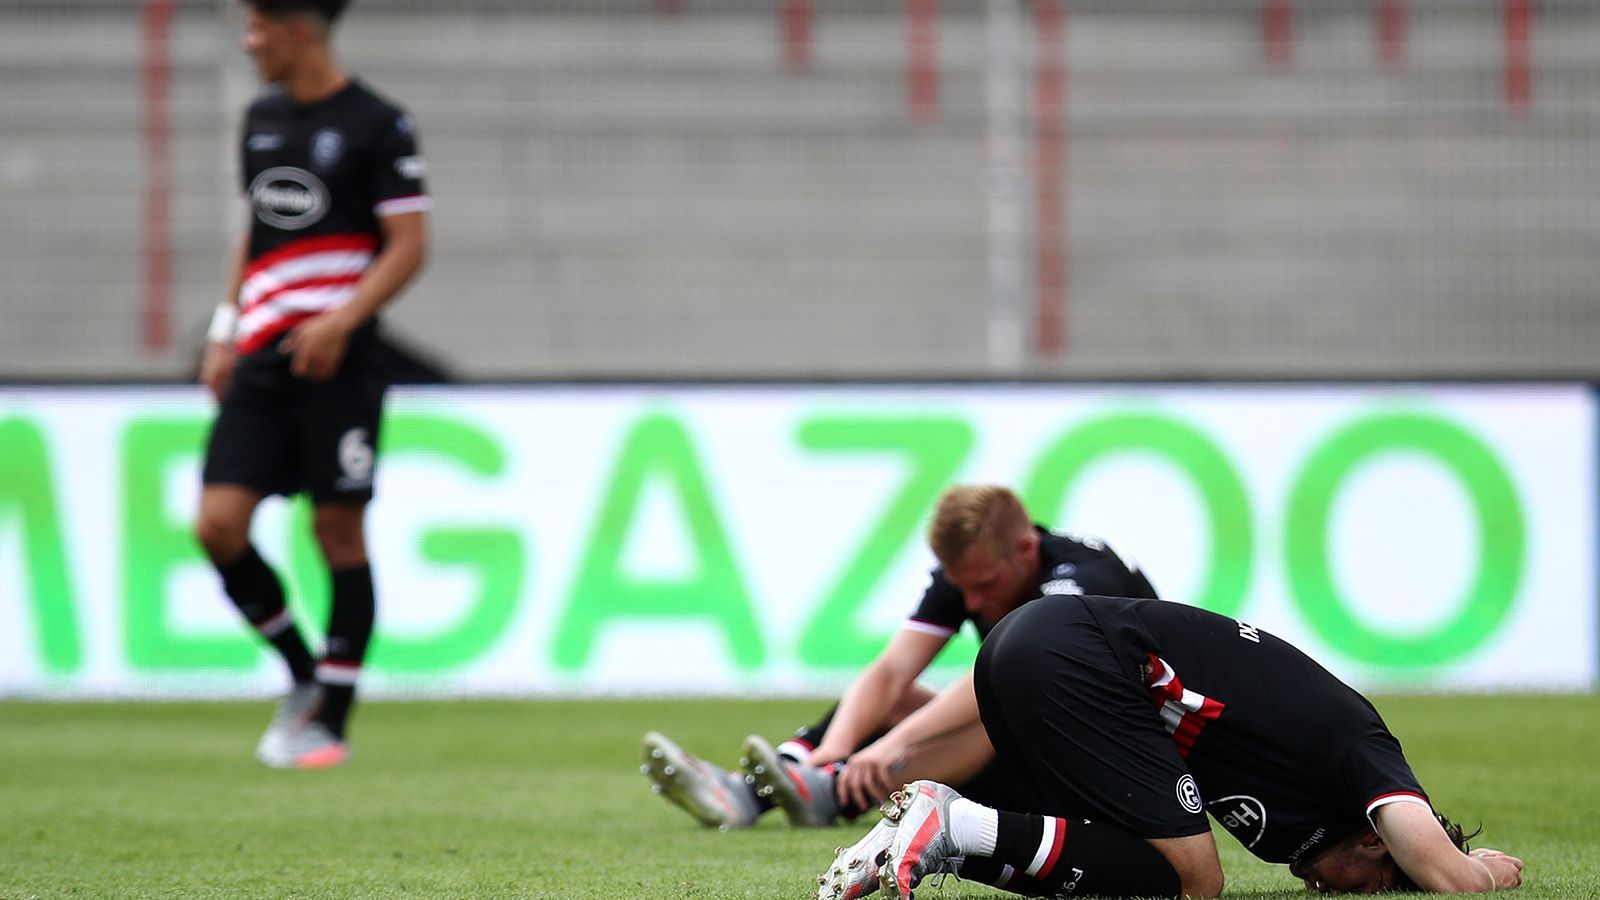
[971, 513]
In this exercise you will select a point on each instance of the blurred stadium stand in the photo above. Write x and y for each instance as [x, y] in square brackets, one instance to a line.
[654, 189]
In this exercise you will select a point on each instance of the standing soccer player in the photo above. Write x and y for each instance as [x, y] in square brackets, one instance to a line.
[338, 227]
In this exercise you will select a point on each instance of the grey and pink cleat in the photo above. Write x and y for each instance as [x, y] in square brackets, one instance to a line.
[855, 868]
[293, 714]
[921, 845]
[805, 792]
[718, 799]
[311, 747]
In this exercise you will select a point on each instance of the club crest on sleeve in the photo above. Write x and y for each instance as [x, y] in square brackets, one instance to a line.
[1189, 794]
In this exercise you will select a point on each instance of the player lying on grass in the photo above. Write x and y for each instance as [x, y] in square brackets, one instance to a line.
[887, 727]
[1135, 718]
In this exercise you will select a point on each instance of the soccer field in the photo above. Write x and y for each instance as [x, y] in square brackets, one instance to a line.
[544, 799]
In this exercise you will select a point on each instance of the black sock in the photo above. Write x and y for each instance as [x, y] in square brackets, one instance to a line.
[1051, 855]
[349, 631]
[991, 871]
[255, 589]
[811, 735]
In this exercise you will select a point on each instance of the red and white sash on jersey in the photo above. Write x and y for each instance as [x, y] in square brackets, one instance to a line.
[1184, 712]
[298, 280]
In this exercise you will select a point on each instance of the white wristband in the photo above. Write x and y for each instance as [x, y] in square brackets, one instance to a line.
[222, 324]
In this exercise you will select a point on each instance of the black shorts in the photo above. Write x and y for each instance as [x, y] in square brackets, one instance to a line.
[280, 434]
[1067, 704]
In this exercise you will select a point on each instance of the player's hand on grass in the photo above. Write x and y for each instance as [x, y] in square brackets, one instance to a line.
[1507, 870]
[216, 369]
[317, 346]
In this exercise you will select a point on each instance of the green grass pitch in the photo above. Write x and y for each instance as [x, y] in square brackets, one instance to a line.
[544, 799]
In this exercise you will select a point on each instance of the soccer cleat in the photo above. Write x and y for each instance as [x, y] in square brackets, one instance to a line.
[804, 792]
[855, 868]
[311, 747]
[725, 800]
[294, 712]
[921, 844]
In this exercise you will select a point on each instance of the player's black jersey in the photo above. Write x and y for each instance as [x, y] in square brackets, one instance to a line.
[1285, 755]
[1067, 565]
[317, 178]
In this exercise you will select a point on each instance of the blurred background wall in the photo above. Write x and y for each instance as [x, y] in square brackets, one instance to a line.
[842, 188]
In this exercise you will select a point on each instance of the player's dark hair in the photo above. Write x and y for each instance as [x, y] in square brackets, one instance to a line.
[1301, 868]
[1457, 835]
[327, 10]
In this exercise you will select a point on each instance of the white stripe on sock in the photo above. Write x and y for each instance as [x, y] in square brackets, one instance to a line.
[1047, 842]
[276, 625]
[345, 676]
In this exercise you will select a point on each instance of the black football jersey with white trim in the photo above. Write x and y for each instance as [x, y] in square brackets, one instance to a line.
[1286, 756]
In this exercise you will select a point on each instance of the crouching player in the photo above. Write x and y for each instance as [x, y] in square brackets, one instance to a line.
[1136, 718]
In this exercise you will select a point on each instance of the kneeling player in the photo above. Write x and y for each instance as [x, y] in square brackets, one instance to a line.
[1134, 719]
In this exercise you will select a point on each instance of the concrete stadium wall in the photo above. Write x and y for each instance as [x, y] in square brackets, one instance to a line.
[625, 192]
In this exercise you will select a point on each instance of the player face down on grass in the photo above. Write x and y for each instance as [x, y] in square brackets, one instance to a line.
[1361, 864]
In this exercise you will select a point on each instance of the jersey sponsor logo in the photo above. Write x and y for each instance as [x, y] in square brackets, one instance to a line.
[412, 167]
[1060, 586]
[1064, 570]
[1310, 842]
[1244, 816]
[1189, 794]
[355, 459]
[327, 146]
[262, 143]
[1249, 632]
[289, 198]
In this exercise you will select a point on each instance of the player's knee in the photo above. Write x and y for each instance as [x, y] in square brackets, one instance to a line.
[222, 537]
[340, 534]
[1194, 860]
[1203, 885]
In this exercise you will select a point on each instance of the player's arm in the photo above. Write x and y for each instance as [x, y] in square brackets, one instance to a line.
[954, 709]
[216, 368]
[872, 773]
[318, 344]
[864, 709]
[1424, 852]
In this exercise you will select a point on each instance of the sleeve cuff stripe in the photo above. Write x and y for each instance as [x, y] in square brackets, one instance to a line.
[928, 628]
[1396, 797]
[418, 203]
